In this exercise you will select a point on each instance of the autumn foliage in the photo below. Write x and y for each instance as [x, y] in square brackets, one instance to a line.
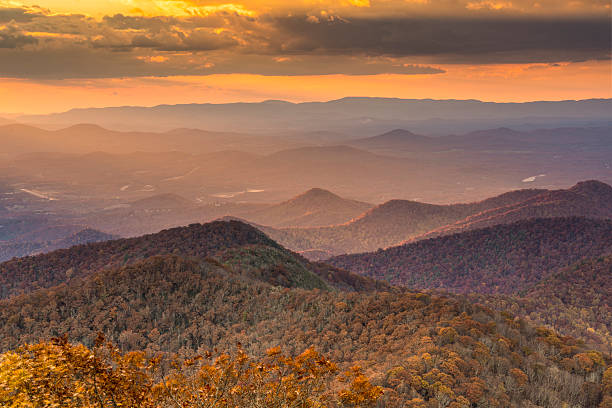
[60, 374]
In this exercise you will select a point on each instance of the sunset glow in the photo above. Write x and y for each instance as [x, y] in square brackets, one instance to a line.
[145, 52]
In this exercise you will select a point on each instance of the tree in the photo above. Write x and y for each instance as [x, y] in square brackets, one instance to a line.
[59, 374]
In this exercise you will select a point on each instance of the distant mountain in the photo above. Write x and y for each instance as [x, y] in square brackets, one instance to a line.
[358, 116]
[231, 167]
[587, 199]
[86, 138]
[502, 140]
[388, 224]
[503, 259]
[233, 244]
[50, 239]
[557, 140]
[398, 138]
[398, 221]
[315, 207]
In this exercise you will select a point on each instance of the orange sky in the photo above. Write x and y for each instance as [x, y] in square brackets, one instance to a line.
[491, 83]
[67, 54]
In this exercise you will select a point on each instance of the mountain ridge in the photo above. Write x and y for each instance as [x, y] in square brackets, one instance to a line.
[502, 259]
[215, 240]
[398, 221]
[335, 115]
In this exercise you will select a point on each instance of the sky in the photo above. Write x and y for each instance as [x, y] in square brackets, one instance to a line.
[60, 54]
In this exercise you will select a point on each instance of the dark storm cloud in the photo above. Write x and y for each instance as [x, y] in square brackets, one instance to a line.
[82, 62]
[451, 40]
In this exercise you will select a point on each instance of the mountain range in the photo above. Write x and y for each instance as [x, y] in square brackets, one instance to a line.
[208, 167]
[358, 116]
[86, 138]
[318, 223]
[216, 240]
[404, 142]
[500, 259]
[200, 287]
[396, 221]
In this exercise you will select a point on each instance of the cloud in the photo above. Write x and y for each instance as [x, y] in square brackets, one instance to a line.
[82, 62]
[477, 40]
[10, 37]
[36, 43]
[18, 14]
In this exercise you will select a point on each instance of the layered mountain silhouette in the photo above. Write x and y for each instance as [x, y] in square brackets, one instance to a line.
[398, 139]
[351, 115]
[89, 161]
[591, 199]
[396, 221]
[86, 137]
[570, 139]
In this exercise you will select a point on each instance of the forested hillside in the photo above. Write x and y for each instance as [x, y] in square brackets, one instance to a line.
[576, 301]
[424, 350]
[232, 243]
[501, 259]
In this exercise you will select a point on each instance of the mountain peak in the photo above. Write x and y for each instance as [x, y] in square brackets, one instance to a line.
[398, 136]
[315, 198]
[316, 207]
[317, 192]
[85, 127]
[592, 187]
[399, 133]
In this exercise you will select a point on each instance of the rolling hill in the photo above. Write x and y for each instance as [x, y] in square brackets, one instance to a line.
[226, 283]
[592, 199]
[315, 207]
[387, 224]
[397, 221]
[85, 138]
[576, 301]
[503, 259]
[398, 140]
[223, 241]
[570, 139]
